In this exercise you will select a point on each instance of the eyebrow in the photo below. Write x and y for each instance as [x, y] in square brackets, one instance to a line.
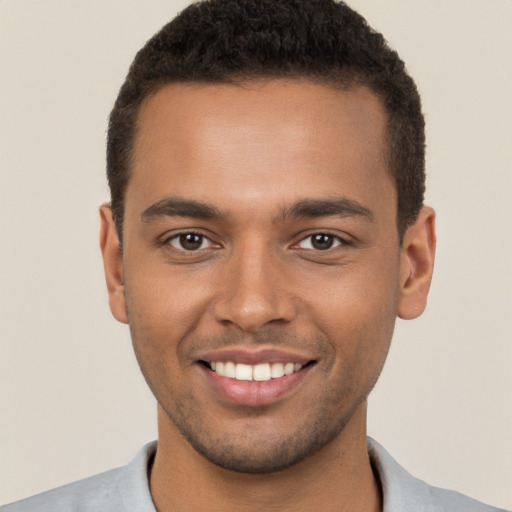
[340, 207]
[307, 208]
[179, 207]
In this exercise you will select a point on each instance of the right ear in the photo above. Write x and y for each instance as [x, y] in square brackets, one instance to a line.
[112, 263]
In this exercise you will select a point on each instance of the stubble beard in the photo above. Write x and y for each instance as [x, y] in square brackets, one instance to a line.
[251, 450]
[251, 453]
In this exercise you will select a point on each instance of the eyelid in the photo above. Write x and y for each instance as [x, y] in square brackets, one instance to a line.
[339, 241]
[167, 238]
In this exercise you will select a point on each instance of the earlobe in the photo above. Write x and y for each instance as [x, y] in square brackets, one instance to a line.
[417, 264]
[112, 263]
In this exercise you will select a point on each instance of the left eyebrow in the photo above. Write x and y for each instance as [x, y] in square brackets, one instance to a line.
[342, 207]
[180, 207]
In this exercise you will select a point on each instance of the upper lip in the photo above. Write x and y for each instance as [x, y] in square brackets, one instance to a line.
[253, 356]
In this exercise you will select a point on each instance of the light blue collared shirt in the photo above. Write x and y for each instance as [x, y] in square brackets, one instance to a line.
[126, 489]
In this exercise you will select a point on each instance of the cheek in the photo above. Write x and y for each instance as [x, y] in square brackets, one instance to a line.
[357, 311]
[159, 316]
[161, 296]
[156, 328]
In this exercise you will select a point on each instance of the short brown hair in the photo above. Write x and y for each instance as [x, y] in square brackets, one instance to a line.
[223, 41]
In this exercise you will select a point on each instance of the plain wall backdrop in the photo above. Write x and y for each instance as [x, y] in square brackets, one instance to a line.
[72, 401]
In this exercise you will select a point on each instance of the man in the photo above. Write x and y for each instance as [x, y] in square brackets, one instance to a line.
[266, 165]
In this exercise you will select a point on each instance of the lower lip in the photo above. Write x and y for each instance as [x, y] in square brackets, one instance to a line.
[254, 393]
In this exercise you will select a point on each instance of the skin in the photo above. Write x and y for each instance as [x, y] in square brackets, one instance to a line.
[254, 153]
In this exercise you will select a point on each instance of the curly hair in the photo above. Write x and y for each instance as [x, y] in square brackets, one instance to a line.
[230, 41]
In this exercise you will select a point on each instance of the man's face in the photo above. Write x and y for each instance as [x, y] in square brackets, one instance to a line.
[260, 239]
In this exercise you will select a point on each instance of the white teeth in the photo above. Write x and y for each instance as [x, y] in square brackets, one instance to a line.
[230, 370]
[289, 368]
[277, 370]
[259, 372]
[243, 372]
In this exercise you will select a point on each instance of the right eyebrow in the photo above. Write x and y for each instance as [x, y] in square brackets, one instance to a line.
[178, 207]
[341, 207]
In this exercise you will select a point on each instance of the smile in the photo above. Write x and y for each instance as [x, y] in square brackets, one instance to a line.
[257, 384]
[258, 372]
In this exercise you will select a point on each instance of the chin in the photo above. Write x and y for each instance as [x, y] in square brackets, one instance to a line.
[260, 451]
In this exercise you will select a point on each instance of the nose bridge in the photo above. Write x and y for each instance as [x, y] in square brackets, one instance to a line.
[253, 294]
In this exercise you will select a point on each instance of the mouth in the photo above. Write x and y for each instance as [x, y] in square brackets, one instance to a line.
[261, 372]
[247, 378]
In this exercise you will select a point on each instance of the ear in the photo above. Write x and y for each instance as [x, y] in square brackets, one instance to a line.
[112, 263]
[417, 264]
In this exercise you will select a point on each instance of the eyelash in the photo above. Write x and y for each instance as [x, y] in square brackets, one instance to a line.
[178, 236]
[335, 239]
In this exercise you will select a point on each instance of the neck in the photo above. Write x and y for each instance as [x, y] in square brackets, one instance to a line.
[337, 478]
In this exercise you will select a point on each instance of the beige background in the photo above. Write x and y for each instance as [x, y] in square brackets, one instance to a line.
[72, 401]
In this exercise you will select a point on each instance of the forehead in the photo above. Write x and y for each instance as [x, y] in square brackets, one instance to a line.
[276, 138]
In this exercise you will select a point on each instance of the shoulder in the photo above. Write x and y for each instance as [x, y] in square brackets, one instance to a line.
[121, 489]
[403, 492]
[89, 494]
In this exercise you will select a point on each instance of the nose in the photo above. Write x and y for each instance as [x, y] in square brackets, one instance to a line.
[254, 292]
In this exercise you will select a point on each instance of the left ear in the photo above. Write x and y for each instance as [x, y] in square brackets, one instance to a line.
[417, 264]
[112, 263]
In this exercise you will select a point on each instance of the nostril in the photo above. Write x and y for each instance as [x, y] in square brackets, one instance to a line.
[252, 315]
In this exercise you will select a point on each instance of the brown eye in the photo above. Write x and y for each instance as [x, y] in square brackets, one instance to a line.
[320, 242]
[189, 242]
